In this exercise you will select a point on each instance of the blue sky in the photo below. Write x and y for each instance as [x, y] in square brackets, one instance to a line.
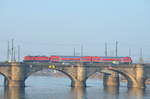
[44, 27]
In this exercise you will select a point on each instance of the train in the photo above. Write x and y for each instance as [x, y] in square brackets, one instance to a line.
[83, 59]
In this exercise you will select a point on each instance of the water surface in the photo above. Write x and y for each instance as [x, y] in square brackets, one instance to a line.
[45, 87]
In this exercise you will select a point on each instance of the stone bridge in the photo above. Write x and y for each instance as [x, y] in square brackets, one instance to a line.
[15, 74]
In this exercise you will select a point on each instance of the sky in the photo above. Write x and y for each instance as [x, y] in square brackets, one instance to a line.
[56, 27]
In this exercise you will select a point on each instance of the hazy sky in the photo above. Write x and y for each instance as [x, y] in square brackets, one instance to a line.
[45, 27]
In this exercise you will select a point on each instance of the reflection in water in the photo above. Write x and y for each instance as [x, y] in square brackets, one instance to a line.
[130, 93]
[136, 92]
[52, 88]
[78, 93]
[111, 92]
[14, 93]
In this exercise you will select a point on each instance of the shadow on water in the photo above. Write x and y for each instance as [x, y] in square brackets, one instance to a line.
[14, 93]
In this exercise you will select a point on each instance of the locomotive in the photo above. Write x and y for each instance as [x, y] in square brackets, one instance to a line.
[83, 59]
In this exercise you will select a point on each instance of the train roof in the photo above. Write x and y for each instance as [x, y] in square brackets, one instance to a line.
[94, 56]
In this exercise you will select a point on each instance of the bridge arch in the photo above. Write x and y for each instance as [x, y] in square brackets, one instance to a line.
[91, 74]
[65, 73]
[132, 82]
[6, 78]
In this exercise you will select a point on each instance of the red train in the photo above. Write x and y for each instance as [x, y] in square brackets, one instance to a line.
[84, 59]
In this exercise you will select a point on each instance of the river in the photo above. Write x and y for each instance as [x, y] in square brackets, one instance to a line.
[46, 87]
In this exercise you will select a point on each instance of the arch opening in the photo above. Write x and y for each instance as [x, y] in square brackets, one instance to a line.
[128, 76]
[147, 81]
[3, 80]
[48, 77]
[94, 79]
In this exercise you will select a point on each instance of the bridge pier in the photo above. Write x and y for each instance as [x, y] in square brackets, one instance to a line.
[77, 83]
[137, 84]
[79, 79]
[139, 78]
[111, 79]
[16, 83]
[17, 76]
